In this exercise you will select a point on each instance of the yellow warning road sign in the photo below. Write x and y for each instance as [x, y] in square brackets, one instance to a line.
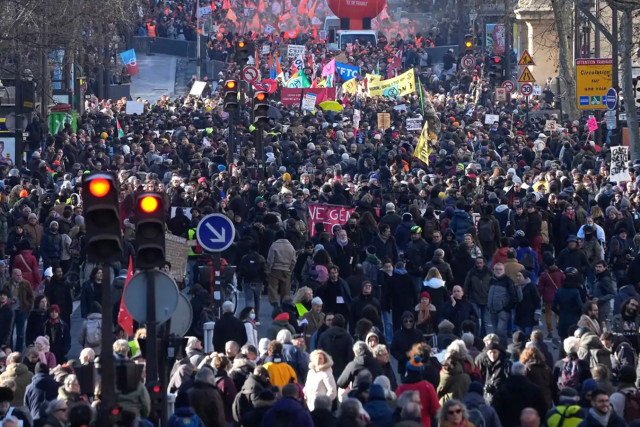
[526, 59]
[526, 76]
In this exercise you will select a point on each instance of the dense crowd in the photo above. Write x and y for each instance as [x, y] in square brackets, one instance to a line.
[442, 298]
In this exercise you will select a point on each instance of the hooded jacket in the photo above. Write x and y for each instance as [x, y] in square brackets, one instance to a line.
[353, 368]
[320, 382]
[280, 373]
[403, 339]
[460, 224]
[437, 291]
[337, 342]
[287, 412]
[248, 396]
[281, 256]
[476, 285]
[19, 373]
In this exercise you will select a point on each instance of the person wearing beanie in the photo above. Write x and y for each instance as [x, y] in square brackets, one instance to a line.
[412, 381]
[280, 322]
[58, 330]
[377, 407]
[43, 389]
[312, 320]
[228, 328]
[478, 408]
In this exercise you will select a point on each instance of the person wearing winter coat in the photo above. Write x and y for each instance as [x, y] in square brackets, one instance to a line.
[36, 320]
[320, 380]
[280, 372]
[413, 381]
[601, 413]
[280, 322]
[426, 315]
[567, 411]
[227, 388]
[516, 394]
[604, 289]
[622, 354]
[337, 342]
[571, 363]
[288, 411]
[28, 265]
[91, 290]
[550, 280]
[403, 231]
[205, 398]
[59, 292]
[293, 356]
[462, 221]
[228, 328]
[527, 309]
[58, 331]
[377, 407]
[454, 380]
[91, 332]
[281, 259]
[362, 360]
[474, 400]
[312, 320]
[264, 402]
[20, 374]
[627, 322]
[398, 295]
[42, 390]
[249, 395]
[436, 287]
[336, 294]
[502, 299]
[6, 317]
[403, 339]
[494, 368]
[539, 373]
[443, 267]
[476, 289]
[567, 302]
[458, 309]
[22, 300]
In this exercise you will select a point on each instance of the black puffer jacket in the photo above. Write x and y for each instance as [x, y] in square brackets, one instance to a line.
[403, 340]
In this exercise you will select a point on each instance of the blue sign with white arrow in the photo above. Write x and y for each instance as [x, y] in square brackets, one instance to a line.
[611, 99]
[215, 232]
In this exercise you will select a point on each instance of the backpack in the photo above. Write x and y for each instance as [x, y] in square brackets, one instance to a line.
[251, 266]
[570, 374]
[527, 260]
[485, 230]
[599, 356]
[75, 248]
[631, 406]
[93, 338]
[476, 417]
[185, 419]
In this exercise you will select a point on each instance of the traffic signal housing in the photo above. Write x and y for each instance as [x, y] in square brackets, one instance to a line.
[468, 43]
[230, 96]
[495, 65]
[157, 401]
[102, 217]
[244, 50]
[150, 220]
[260, 107]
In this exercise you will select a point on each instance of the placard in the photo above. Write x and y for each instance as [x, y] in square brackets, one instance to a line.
[309, 102]
[592, 124]
[501, 94]
[134, 107]
[414, 124]
[295, 50]
[176, 252]
[550, 125]
[619, 161]
[269, 29]
[384, 121]
[197, 88]
[490, 119]
[265, 50]
[404, 84]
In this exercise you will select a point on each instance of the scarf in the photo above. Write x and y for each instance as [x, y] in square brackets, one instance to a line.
[603, 420]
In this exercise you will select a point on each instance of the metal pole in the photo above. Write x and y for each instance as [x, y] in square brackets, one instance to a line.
[596, 36]
[152, 332]
[107, 368]
[615, 79]
[260, 149]
[217, 283]
[232, 140]
[163, 371]
[198, 53]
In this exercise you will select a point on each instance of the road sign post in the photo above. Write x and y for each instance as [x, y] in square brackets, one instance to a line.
[216, 233]
[250, 74]
[526, 89]
[509, 85]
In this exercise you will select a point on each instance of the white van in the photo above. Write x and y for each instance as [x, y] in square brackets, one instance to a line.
[350, 36]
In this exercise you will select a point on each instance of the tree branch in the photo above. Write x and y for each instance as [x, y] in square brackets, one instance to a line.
[599, 26]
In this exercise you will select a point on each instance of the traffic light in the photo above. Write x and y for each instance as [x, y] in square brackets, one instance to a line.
[115, 416]
[468, 43]
[157, 401]
[243, 52]
[149, 231]
[230, 95]
[260, 107]
[102, 217]
[495, 65]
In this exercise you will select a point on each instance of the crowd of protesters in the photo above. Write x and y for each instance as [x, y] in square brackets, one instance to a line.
[441, 299]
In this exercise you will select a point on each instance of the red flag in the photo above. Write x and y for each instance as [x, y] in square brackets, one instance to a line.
[124, 318]
[226, 4]
[312, 9]
[213, 6]
[261, 6]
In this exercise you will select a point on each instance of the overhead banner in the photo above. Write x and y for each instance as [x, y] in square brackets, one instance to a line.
[291, 96]
[330, 215]
[593, 80]
[401, 85]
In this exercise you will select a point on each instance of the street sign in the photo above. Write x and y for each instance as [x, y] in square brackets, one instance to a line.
[166, 290]
[501, 94]
[468, 62]
[250, 74]
[611, 99]
[509, 85]
[526, 76]
[215, 232]
[526, 89]
[593, 80]
[611, 119]
[182, 318]
[526, 59]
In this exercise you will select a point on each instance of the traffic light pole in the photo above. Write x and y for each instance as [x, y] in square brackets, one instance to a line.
[152, 375]
[232, 139]
[107, 367]
[260, 149]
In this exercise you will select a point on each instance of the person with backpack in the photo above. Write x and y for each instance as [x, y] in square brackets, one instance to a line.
[570, 371]
[626, 401]
[550, 281]
[184, 417]
[601, 414]
[567, 302]
[480, 414]
[502, 298]
[91, 332]
[568, 412]
[528, 258]
[488, 232]
[528, 308]
[251, 274]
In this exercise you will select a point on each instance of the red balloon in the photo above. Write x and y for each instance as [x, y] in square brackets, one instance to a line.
[356, 9]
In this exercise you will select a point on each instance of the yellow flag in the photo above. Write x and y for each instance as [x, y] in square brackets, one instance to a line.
[402, 85]
[373, 77]
[350, 87]
[423, 149]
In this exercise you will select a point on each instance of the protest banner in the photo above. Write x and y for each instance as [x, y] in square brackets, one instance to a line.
[347, 71]
[330, 215]
[291, 96]
[295, 50]
[135, 107]
[309, 101]
[384, 121]
[619, 170]
[176, 251]
[404, 85]
[414, 124]
[490, 119]
[350, 87]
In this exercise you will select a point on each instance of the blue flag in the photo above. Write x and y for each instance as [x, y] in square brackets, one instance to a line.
[346, 71]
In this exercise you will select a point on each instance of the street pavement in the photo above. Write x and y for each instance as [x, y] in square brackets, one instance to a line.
[156, 76]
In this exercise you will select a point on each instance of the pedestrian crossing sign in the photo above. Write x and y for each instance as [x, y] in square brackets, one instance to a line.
[526, 59]
[526, 76]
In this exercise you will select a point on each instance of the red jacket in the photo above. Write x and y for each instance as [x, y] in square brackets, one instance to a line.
[428, 398]
[549, 282]
[27, 263]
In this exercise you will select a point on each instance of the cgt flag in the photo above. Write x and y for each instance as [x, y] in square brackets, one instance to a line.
[129, 59]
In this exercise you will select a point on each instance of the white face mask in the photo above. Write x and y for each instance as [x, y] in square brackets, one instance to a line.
[252, 316]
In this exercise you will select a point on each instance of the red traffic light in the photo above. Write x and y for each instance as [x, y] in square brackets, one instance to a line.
[241, 44]
[261, 96]
[496, 59]
[149, 204]
[156, 388]
[115, 411]
[231, 84]
[99, 187]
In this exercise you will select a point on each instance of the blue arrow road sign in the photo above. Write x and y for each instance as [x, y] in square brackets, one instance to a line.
[611, 100]
[215, 232]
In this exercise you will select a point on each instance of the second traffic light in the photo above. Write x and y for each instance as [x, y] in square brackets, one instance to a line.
[495, 66]
[260, 107]
[468, 43]
[102, 217]
[244, 50]
[230, 96]
[150, 222]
